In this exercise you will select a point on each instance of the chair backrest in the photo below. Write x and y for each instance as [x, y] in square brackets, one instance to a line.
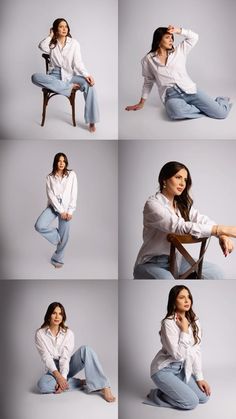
[195, 270]
[47, 61]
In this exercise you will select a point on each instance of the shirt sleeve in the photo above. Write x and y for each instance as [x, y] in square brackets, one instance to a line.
[66, 353]
[159, 216]
[52, 198]
[197, 363]
[73, 197]
[44, 45]
[175, 342]
[78, 65]
[191, 38]
[44, 353]
[149, 78]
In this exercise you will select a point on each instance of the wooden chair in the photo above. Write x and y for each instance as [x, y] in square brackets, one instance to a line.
[48, 94]
[195, 269]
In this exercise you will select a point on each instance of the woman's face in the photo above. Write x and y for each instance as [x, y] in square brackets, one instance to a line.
[61, 163]
[166, 41]
[176, 184]
[62, 29]
[183, 301]
[56, 317]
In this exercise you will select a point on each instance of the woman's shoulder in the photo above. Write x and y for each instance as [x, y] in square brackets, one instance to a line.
[155, 201]
[71, 173]
[147, 58]
[68, 332]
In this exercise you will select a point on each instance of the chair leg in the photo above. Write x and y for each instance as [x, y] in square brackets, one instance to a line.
[72, 102]
[45, 102]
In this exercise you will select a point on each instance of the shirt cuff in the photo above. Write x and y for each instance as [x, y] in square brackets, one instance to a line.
[199, 376]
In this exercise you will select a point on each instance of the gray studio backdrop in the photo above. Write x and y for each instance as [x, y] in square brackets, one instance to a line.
[212, 168]
[211, 64]
[91, 308]
[92, 248]
[94, 25]
[142, 306]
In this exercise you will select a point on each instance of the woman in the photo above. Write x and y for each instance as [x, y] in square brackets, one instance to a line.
[67, 70]
[166, 66]
[55, 344]
[176, 369]
[170, 211]
[61, 188]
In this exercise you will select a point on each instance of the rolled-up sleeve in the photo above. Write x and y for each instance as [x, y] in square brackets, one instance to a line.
[44, 44]
[78, 64]
[149, 78]
[191, 38]
[176, 343]
[159, 216]
[52, 198]
[68, 346]
[44, 353]
[73, 195]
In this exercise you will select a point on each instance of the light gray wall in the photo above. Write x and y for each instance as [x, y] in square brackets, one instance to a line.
[92, 248]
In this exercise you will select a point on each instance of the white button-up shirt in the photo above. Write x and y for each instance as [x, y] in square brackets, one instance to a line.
[159, 219]
[173, 72]
[178, 346]
[68, 57]
[62, 192]
[58, 347]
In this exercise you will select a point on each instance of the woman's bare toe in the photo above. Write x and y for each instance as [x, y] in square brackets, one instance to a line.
[92, 127]
[107, 395]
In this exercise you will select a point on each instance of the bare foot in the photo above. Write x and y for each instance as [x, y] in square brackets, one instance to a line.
[57, 265]
[92, 127]
[107, 395]
[82, 383]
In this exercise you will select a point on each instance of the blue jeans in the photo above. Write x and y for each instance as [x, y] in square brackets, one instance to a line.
[158, 268]
[173, 391]
[181, 105]
[57, 236]
[84, 358]
[53, 82]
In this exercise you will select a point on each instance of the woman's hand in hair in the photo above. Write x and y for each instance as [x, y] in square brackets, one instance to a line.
[182, 322]
[173, 29]
[136, 107]
[90, 80]
[226, 245]
[204, 386]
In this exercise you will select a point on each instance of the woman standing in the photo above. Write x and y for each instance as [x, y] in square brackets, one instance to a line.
[171, 211]
[165, 66]
[67, 70]
[176, 369]
[61, 188]
[55, 344]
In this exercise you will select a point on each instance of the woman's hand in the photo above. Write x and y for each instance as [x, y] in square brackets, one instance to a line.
[62, 383]
[182, 322]
[204, 386]
[173, 29]
[63, 215]
[136, 107]
[69, 217]
[226, 245]
[90, 80]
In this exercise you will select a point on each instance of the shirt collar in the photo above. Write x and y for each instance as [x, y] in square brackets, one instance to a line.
[48, 332]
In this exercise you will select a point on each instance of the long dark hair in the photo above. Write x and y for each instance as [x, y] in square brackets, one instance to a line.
[157, 37]
[55, 163]
[55, 25]
[190, 315]
[49, 312]
[184, 202]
